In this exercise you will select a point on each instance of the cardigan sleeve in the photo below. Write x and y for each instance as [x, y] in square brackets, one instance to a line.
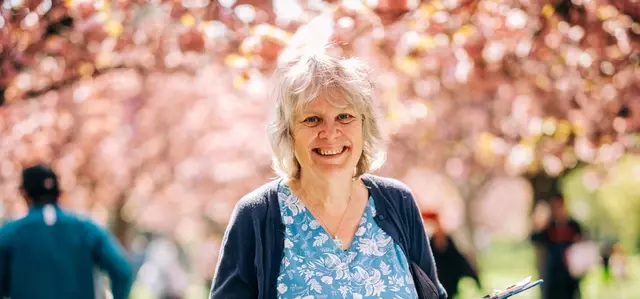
[420, 249]
[236, 275]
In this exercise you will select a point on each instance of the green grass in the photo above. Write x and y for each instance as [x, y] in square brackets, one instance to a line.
[501, 266]
[193, 292]
[505, 264]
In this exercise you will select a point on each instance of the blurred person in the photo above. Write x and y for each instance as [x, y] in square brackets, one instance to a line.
[51, 253]
[163, 271]
[614, 263]
[555, 237]
[326, 228]
[452, 265]
[540, 218]
[618, 263]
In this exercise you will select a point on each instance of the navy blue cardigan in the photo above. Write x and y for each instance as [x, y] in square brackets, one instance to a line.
[252, 247]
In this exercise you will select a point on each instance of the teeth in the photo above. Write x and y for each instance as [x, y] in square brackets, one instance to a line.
[328, 152]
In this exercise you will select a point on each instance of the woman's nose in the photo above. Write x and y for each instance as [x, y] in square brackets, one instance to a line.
[329, 130]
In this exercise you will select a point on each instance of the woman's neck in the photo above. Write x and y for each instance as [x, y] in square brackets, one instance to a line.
[330, 193]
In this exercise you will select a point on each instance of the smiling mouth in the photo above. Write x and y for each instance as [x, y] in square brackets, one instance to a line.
[330, 152]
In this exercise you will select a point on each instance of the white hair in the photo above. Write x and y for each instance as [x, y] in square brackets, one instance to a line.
[304, 78]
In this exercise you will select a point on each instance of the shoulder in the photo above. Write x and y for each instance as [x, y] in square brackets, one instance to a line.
[258, 199]
[15, 226]
[256, 203]
[391, 195]
[387, 183]
[70, 217]
[84, 225]
[9, 229]
[389, 186]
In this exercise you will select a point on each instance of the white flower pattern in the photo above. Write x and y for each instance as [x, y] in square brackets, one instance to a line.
[372, 267]
[287, 220]
[282, 288]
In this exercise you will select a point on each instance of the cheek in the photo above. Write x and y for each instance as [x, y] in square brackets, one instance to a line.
[355, 134]
[302, 137]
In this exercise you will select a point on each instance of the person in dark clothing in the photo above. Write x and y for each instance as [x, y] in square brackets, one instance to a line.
[451, 265]
[50, 253]
[555, 237]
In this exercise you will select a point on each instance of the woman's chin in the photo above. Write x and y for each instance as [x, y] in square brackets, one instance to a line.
[331, 170]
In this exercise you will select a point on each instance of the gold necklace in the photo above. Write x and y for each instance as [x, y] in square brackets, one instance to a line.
[334, 236]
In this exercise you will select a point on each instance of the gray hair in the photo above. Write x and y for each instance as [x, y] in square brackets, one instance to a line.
[305, 77]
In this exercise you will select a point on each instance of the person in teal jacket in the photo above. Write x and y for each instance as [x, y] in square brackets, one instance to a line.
[51, 253]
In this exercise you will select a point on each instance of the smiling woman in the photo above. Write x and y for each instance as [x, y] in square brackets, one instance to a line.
[341, 84]
[325, 139]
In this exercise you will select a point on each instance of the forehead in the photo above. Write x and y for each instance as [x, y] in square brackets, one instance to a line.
[322, 104]
[328, 100]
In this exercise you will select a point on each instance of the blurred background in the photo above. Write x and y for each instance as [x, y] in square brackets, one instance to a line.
[153, 114]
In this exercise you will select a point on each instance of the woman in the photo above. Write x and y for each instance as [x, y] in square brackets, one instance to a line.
[326, 228]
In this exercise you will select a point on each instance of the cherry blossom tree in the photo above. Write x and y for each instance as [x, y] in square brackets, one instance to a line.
[153, 111]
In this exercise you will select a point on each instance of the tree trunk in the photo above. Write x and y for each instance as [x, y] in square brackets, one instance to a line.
[469, 231]
[469, 192]
[544, 187]
[120, 227]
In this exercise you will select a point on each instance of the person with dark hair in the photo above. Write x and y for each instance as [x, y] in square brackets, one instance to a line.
[555, 237]
[51, 253]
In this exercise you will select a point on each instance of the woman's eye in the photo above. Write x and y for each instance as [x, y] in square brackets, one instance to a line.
[311, 120]
[345, 118]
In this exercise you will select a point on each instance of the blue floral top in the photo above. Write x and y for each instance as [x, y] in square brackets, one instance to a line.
[313, 266]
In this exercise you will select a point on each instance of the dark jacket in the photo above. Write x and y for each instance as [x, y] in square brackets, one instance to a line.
[252, 247]
[452, 266]
[57, 260]
[555, 239]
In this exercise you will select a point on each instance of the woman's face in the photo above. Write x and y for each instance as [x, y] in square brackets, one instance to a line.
[327, 137]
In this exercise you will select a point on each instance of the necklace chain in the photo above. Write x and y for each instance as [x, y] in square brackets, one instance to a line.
[333, 235]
